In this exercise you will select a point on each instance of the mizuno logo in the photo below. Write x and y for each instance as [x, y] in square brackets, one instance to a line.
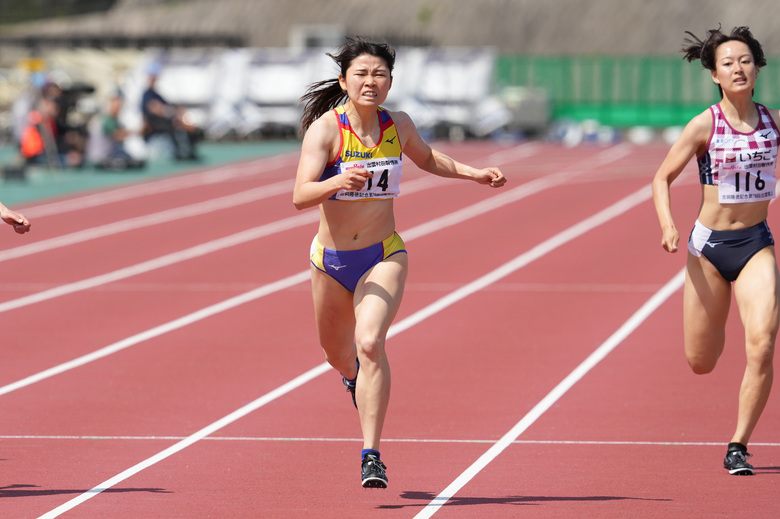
[391, 140]
[337, 267]
[766, 135]
[712, 244]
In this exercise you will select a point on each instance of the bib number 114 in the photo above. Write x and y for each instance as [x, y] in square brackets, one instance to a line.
[384, 184]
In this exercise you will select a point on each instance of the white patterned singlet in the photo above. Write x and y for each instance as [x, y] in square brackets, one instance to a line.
[742, 165]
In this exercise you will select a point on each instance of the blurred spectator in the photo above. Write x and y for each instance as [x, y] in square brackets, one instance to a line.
[106, 139]
[46, 139]
[163, 120]
[25, 103]
[39, 136]
[71, 140]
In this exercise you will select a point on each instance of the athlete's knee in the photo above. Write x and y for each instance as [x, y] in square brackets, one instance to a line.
[701, 366]
[703, 351]
[370, 346]
[760, 354]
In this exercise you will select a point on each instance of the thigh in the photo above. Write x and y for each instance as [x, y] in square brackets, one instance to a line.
[378, 296]
[756, 291]
[706, 302]
[333, 312]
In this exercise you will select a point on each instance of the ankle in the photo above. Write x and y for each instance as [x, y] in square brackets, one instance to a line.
[734, 446]
[366, 452]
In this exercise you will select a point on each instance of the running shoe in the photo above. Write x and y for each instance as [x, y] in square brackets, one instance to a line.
[373, 472]
[350, 385]
[737, 465]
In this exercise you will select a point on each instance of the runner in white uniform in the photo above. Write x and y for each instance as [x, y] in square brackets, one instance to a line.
[730, 247]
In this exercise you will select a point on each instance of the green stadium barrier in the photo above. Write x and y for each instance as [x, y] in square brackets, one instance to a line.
[624, 91]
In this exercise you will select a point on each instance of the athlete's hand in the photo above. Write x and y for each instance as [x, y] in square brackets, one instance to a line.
[670, 239]
[354, 179]
[491, 176]
[20, 224]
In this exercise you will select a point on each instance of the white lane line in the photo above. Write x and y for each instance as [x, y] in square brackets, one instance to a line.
[285, 224]
[155, 187]
[556, 241]
[225, 202]
[285, 439]
[149, 220]
[183, 444]
[518, 193]
[535, 253]
[159, 330]
[306, 218]
[163, 261]
[579, 372]
[251, 234]
[415, 232]
[212, 176]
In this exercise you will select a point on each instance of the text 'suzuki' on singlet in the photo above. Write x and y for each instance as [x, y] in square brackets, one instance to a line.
[742, 165]
[383, 160]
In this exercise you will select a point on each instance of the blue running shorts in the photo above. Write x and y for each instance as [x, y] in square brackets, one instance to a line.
[348, 266]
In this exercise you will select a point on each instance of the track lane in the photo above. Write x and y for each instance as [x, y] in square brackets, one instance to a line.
[411, 187]
[337, 417]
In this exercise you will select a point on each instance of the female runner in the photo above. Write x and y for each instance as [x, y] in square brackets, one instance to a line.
[730, 247]
[350, 166]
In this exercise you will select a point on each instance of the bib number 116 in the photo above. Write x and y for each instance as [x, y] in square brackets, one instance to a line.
[758, 182]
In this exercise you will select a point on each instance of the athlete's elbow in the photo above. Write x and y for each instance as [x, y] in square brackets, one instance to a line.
[298, 200]
[303, 202]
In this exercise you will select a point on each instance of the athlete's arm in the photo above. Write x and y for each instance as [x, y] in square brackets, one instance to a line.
[433, 161]
[691, 142]
[317, 151]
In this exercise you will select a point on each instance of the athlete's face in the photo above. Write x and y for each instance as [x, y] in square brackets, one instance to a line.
[735, 68]
[367, 81]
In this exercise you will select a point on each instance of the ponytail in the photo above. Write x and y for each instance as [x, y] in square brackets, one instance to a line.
[692, 48]
[320, 97]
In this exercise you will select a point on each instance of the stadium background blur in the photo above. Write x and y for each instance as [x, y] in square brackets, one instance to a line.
[577, 71]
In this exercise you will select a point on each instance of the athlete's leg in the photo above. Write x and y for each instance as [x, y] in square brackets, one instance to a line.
[756, 290]
[377, 298]
[706, 301]
[335, 319]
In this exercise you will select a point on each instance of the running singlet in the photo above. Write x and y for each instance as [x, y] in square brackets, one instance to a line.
[742, 165]
[383, 160]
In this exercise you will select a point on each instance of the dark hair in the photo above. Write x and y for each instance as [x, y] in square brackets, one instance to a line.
[323, 96]
[704, 51]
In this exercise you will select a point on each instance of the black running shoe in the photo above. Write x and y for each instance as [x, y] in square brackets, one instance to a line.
[737, 465]
[350, 387]
[373, 472]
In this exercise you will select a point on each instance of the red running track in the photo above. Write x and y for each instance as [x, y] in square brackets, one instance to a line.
[159, 358]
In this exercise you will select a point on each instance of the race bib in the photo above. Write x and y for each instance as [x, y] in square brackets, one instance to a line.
[747, 176]
[386, 182]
